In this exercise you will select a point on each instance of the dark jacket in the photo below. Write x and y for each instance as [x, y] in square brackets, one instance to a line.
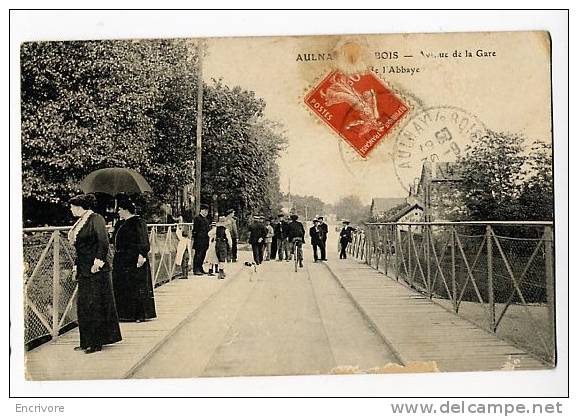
[278, 229]
[315, 233]
[346, 234]
[295, 229]
[325, 229]
[257, 231]
[91, 243]
[201, 232]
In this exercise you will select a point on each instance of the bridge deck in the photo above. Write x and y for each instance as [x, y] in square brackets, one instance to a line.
[175, 303]
[418, 329]
[414, 328]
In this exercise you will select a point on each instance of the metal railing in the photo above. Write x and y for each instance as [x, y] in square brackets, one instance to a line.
[497, 275]
[49, 290]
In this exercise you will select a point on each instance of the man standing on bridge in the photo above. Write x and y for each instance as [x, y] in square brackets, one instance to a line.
[324, 230]
[345, 237]
[314, 234]
[200, 239]
[257, 235]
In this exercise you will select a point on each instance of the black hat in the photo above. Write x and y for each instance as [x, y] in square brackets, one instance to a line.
[280, 215]
[204, 207]
[124, 202]
[319, 217]
[345, 221]
[315, 221]
[294, 217]
[86, 201]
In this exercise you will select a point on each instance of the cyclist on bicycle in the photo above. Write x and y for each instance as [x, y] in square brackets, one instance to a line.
[296, 235]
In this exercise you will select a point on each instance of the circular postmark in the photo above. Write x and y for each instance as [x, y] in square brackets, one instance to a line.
[436, 134]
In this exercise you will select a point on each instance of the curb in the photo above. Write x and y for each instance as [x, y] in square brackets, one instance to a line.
[175, 329]
[403, 361]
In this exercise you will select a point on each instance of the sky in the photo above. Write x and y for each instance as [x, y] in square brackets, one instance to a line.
[493, 91]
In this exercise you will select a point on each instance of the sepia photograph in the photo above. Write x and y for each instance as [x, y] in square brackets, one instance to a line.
[287, 205]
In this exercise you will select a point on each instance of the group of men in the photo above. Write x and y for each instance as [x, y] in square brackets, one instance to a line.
[285, 230]
[273, 237]
[282, 232]
[201, 227]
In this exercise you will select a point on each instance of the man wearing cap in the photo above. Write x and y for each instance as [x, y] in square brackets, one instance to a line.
[280, 236]
[200, 239]
[324, 230]
[314, 234]
[296, 233]
[231, 224]
[257, 235]
[345, 237]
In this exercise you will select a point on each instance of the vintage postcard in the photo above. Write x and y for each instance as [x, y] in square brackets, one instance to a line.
[300, 205]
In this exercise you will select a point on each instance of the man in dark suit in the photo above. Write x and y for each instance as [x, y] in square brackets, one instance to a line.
[279, 237]
[314, 234]
[323, 237]
[345, 237]
[257, 235]
[200, 239]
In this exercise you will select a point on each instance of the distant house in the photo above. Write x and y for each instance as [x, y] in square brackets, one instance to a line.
[380, 206]
[438, 191]
[404, 213]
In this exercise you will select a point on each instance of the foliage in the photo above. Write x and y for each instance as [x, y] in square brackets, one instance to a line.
[306, 207]
[351, 208]
[537, 192]
[89, 105]
[240, 150]
[492, 174]
[501, 180]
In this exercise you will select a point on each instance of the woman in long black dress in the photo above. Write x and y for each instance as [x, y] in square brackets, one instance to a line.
[132, 281]
[97, 317]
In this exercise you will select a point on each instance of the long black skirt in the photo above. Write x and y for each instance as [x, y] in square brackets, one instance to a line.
[97, 317]
[133, 292]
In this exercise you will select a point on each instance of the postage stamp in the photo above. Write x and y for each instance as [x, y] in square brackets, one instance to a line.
[434, 134]
[359, 108]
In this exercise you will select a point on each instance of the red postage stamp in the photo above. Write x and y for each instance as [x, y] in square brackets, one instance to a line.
[360, 108]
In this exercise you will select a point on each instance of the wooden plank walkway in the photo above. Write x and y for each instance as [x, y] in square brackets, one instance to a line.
[417, 329]
[176, 302]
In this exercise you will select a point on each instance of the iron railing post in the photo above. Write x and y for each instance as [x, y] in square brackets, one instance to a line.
[428, 259]
[550, 287]
[454, 286]
[490, 267]
[398, 250]
[409, 240]
[55, 282]
[153, 260]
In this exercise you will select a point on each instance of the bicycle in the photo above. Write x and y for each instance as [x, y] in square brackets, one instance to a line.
[297, 252]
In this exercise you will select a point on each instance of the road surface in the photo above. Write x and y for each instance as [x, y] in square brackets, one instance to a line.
[272, 322]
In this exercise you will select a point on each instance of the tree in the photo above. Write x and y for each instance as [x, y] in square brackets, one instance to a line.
[240, 151]
[88, 105]
[95, 104]
[537, 192]
[492, 176]
[351, 208]
[306, 207]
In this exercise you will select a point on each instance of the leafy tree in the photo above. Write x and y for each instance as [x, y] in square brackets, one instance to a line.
[492, 176]
[89, 105]
[240, 151]
[95, 104]
[351, 207]
[536, 200]
[306, 207]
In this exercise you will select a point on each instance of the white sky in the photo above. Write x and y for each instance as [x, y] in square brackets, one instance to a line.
[319, 163]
